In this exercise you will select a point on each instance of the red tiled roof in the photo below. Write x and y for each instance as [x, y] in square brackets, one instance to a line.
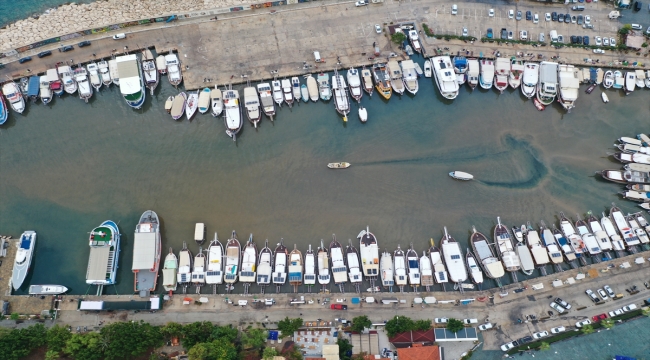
[418, 352]
[405, 339]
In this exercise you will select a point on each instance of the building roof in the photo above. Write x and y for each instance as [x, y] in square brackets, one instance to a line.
[144, 250]
[365, 343]
[634, 40]
[418, 352]
[466, 334]
[409, 338]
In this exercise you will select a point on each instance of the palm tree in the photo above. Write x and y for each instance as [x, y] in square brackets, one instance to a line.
[587, 329]
[607, 323]
[645, 311]
[544, 346]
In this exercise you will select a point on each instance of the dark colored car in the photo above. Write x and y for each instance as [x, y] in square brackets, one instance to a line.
[43, 54]
[585, 40]
[560, 17]
[67, 48]
[490, 35]
[579, 40]
[525, 340]
[637, 6]
[580, 19]
[554, 16]
[529, 15]
[84, 43]
[567, 18]
[25, 59]
[574, 39]
[504, 34]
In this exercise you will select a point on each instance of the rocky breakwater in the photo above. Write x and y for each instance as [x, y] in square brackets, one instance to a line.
[76, 17]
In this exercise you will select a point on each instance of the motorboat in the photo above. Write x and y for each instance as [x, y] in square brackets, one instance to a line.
[630, 141]
[610, 229]
[265, 265]
[93, 74]
[414, 39]
[168, 104]
[287, 92]
[396, 77]
[601, 236]
[399, 267]
[278, 97]
[354, 266]
[248, 262]
[146, 253]
[629, 236]
[4, 112]
[439, 268]
[427, 68]
[81, 78]
[501, 74]
[312, 87]
[217, 101]
[184, 274]
[492, 267]
[192, 104]
[33, 88]
[198, 272]
[178, 106]
[47, 289]
[252, 104]
[526, 258]
[633, 158]
[310, 267]
[619, 80]
[517, 69]
[418, 69]
[473, 73]
[530, 79]
[572, 236]
[56, 86]
[599, 76]
[233, 254]
[386, 268]
[104, 243]
[640, 232]
[637, 167]
[608, 81]
[104, 73]
[474, 271]
[340, 89]
[426, 271]
[324, 86]
[295, 88]
[382, 80]
[204, 100]
[548, 82]
[45, 91]
[339, 271]
[460, 68]
[363, 114]
[112, 70]
[647, 79]
[540, 255]
[366, 77]
[639, 187]
[569, 84]
[551, 244]
[642, 222]
[604, 97]
[266, 99]
[453, 257]
[569, 253]
[460, 175]
[640, 79]
[410, 77]
[354, 81]
[149, 71]
[444, 76]
[304, 93]
[295, 267]
[131, 84]
[369, 253]
[630, 82]
[413, 263]
[281, 256]
[339, 165]
[161, 64]
[486, 76]
[324, 276]
[214, 273]
[626, 176]
[174, 72]
[232, 113]
[631, 149]
[14, 97]
[505, 247]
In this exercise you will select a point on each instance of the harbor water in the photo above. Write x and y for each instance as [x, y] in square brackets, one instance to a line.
[68, 166]
[11, 11]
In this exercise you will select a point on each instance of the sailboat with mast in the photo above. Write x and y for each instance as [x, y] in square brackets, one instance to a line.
[341, 101]
[295, 267]
[413, 266]
[310, 267]
[339, 270]
[503, 240]
[399, 266]
[354, 268]
[369, 253]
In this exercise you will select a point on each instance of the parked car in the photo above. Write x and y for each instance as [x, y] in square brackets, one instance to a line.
[560, 18]
[557, 307]
[119, 36]
[554, 16]
[578, 8]
[587, 20]
[484, 327]
[636, 26]
[563, 303]
[612, 42]
[504, 33]
[601, 292]
[574, 19]
[597, 318]
[567, 18]
[606, 43]
[585, 40]
[360, 3]
[84, 43]
[557, 330]
[518, 15]
[338, 307]
[529, 15]
[470, 321]
[574, 39]
[535, 18]
[377, 29]
[511, 14]
[510, 35]
[525, 340]
[599, 51]
[547, 16]
[25, 59]
[491, 13]
[454, 9]
[580, 19]
[583, 323]
[541, 37]
[45, 53]
[67, 48]
[560, 38]
[637, 5]
[616, 312]
[629, 308]
[440, 320]
[489, 35]
[598, 41]
[590, 293]
[541, 334]
[465, 32]
[508, 346]
[523, 35]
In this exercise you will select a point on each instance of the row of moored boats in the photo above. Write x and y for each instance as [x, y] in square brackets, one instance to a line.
[635, 175]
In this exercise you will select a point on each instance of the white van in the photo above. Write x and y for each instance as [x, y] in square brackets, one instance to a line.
[553, 35]
[119, 36]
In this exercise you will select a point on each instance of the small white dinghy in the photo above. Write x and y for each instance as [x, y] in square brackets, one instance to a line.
[169, 103]
[363, 114]
[191, 105]
[427, 68]
[459, 175]
[604, 96]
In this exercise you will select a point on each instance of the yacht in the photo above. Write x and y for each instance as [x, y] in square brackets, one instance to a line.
[540, 255]
[216, 101]
[526, 258]
[287, 93]
[265, 265]
[410, 76]
[569, 84]
[460, 68]
[66, 76]
[630, 82]
[382, 80]
[642, 222]
[278, 97]
[45, 91]
[396, 78]
[608, 80]
[112, 69]
[640, 79]
[517, 69]
[174, 74]
[149, 71]
[355, 84]
[104, 73]
[492, 266]
[551, 244]
[608, 226]
[323, 265]
[626, 232]
[453, 257]
[619, 80]
[232, 113]
[502, 72]
[204, 100]
[601, 236]
[473, 73]
[93, 74]
[81, 78]
[589, 239]
[295, 267]
[23, 259]
[443, 73]
[248, 262]
[413, 263]
[233, 254]
[548, 82]
[640, 233]
[55, 83]
[414, 39]
[574, 239]
[47, 289]
[146, 252]
[386, 268]
[427, 68]
[198, 273]
[161, 64]
[280, 264]
[104, 242]
[369, 253]
[184, 274]
[266, 97]
[341, 101]
[214, 273]
[486, 77]
[310, 267]
[131, 85]
[399, 267]
[530, 79]
[366, 76]
[354, 269]
[339, 271]
[295, 86]
[252, 104]
[506, 249]
[426, 271]
[324, 86]
[439, 269]
[474, 271]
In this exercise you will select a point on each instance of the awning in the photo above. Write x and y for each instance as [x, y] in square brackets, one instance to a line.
[144, 251]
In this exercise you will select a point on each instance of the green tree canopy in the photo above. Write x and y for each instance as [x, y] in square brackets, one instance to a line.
[398, 324]
[645, 311]
[216, 350]
[587, 329]
[359, 323]
[227, 332]
[345, 349]
[254, 338]
[172, 329]
[269, 352]
[544, 346]
[124, 340]
[289, 326]
[18, 343]
[85, 346]
[197, 332]
[422, 325]
[57, 336]
[455, 325]
[398, 37]
[607, 323]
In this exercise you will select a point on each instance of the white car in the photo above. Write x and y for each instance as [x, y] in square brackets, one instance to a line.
[587, 20]
[440, 320]
[629, 308]
[523, 35]
[541, 334]
[601, 292]
[377, 29]
[556, 307]
[511, 14]
[616, 312]
[598, 41]
[454, 9]
[510, 35]
[547, 17]
[361, 3]
[535, 18]
[119, 36]
[508, 346]
[609, 290]
[612, 42]
[599, 51]
[542, 38]
[606, 43]
[484, 327]
[636, 27]
[465, 32]
[583, 323]
[557, 330]
[470, 321]
[491, 13]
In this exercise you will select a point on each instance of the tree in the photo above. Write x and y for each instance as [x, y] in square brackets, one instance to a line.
[216, 350]
[14, 316]
[398, 324]
[645, 311]
[607, 323]
[227, 333]
[625, 29]
[171, 330]
[455, 325]
[269, 353]
[422, 325]
[18, 343]
[398, 37]
[587, 329]
[345, 349]
[254, 338]
[52, 355]
[359, 323]
[84, 346]
[124, 340]
[289, 326]
[544, 346]
[197, 332]
[57, 336]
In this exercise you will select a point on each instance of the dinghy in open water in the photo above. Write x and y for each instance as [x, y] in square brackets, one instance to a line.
[459, 175]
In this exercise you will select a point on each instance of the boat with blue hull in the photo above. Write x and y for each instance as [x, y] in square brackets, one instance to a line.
[104, 242]
[131, 84]
[4, 112]
[23, 258]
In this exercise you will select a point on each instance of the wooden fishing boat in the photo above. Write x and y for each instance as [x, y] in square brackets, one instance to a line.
[339, 165]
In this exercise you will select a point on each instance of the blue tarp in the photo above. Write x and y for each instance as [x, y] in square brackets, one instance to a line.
[273, 335]
[620, 357]
[355, 300]
[34, 85]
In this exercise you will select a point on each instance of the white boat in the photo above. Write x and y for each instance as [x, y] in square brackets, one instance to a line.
[426, 271]
[630, 140]
[569, 253]
[184, 274]
[473, 73]
[386, 268]
[81, 78]
[630, 82]
[640, 78]
[604, 97]
[295, 267]
[540, 255]
[280, 264]
[233, 253]
[638, 158]
[112, 69]
[295, 87]
[443, 73]
[369, 253]
[304, 93]
[232, 113]
[312, 87]
[619, 80]
[252, 104]
[178, 106]
[324, 86]
[587, 237]
[198, 272]
[287, 92]
[460, 175]
[174, 72]
[265, 265]
[505, 247]
[248, 262]
[647, 79]
[410, 76]
[310, 267]
[552, 247]
[460, 68]
[453, 257]
[23, 259]
[474, 271]
[354, 266]
[214, 273]
[414, 39]
[427, 68]
[93, 74]
[341, 101]
[396, 78]
[637, 167]
[278, 97]
[492, 266]
[324, 276]
[149, 71]
[366, 77]
[45, 92]
[266, 99]
[169, 271]
[104, 243]
[640, 233]
[530, 79]
[569, 84]
[501, 73]
[628, 235]
[608, 226]
[363, 114]
[192, 104]
[601, 236]
[608, 80]
[486, 77]
[104, 73]
[439, 269]
[399, 267]
[204, 100]
[216, 101]
[642, 222]
[516, 73]
[47, 289]
[413, 264]
[161, 64]
[146, 253]
[131, 85]
[572, 236]
[548, 82]
[354, 81]
[65, 74]
[526, 258]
